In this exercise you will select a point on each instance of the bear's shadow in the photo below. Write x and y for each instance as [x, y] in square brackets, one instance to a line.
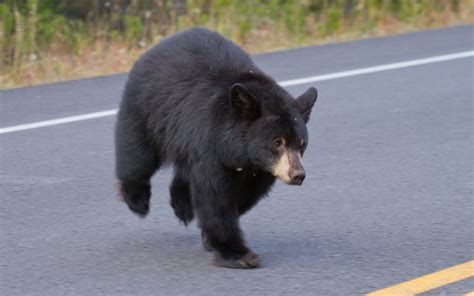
[185, 250]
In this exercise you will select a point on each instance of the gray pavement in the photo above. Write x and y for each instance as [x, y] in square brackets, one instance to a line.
[388, 195]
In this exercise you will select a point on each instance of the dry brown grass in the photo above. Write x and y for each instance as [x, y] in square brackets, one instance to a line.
[105, 58]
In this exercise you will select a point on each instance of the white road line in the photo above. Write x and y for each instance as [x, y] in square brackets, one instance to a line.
[355, 72]
[57, 121]
[380, 68]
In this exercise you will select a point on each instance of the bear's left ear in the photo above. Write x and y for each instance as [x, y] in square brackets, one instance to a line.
[305, 102]
[244, 103]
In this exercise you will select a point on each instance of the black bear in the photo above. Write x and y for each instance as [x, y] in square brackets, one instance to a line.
[197, 101]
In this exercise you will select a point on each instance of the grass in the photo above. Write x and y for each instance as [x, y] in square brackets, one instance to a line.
[52, 40]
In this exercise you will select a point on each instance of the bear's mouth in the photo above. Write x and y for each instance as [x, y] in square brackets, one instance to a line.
[289, 168]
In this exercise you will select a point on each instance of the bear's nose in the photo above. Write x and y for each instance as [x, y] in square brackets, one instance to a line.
[297, 177]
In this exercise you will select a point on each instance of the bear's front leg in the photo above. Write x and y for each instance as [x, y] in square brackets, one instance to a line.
[224, 237]
[218, 219]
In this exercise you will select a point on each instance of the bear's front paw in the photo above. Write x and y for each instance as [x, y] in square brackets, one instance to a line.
[248, 260]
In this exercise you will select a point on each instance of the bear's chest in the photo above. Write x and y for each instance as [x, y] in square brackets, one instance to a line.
[252, 184]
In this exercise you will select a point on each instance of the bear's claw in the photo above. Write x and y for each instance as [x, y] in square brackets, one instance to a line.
[205, 242]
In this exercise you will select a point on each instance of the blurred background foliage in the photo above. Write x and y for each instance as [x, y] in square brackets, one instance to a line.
[52, 40]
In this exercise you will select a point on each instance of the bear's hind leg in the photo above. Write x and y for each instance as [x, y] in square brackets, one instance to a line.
[136, 162]
[181, 198]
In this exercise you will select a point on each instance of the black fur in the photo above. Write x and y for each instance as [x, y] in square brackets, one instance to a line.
[198, 102]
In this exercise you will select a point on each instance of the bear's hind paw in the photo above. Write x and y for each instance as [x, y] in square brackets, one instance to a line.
[183, 213]
[136, 196]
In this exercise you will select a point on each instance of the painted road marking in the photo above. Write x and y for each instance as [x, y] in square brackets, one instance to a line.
[57, 121]
[379, 68]
[469, 294]
[429, 282]
[355, 72]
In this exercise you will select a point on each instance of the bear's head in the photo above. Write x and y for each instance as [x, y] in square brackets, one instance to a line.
[272, 124]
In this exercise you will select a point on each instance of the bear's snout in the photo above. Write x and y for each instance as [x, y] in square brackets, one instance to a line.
[296, 173]
[289, 168]
[297, 176]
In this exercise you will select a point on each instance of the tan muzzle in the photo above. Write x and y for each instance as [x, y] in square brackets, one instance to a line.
[289, 168]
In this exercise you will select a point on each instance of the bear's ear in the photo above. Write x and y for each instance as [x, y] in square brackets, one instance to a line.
[245, 104]
[305, 102]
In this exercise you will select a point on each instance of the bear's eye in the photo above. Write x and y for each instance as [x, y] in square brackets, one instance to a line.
[277, 143]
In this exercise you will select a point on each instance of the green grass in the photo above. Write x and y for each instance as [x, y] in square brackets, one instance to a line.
[50, 40]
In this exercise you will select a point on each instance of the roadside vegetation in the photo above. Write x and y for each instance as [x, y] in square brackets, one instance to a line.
[51, 40]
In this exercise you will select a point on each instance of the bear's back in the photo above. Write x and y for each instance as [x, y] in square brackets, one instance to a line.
[194, 55]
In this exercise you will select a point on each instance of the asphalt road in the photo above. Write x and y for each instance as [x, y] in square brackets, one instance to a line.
[388, 195]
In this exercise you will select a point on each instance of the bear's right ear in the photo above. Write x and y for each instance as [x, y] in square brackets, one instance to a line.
[305, 102]
[245, 104]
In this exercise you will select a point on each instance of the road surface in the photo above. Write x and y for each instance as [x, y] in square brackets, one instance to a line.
[388, 195]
